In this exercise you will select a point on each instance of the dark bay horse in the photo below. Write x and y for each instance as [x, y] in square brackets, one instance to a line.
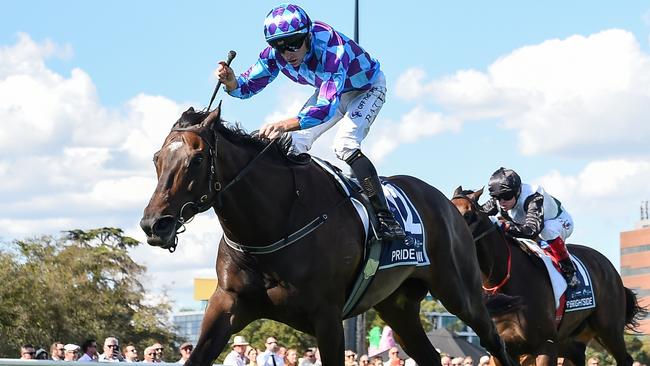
[531, 329]
[260, 197]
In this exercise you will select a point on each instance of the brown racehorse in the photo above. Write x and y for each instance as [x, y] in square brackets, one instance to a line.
[531, 329]
[260, 197]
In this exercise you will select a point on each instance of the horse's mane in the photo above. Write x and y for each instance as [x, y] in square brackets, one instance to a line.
[231, 131]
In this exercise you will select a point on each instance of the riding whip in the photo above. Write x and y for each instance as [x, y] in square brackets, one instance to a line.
[231, 55]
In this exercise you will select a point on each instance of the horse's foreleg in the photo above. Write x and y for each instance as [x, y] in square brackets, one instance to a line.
[473, 312]
[573, 353]
[219, 322]
[401, 310]
[545, 360]
[547, 354]
[492, 342]
[328, 328]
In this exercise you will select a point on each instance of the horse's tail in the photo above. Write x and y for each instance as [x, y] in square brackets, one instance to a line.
[633, 311]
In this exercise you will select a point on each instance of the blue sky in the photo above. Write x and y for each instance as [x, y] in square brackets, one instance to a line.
[559, 91]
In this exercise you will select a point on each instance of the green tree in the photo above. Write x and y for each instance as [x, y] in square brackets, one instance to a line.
[81, 285]
[635, 347]
[430, 305]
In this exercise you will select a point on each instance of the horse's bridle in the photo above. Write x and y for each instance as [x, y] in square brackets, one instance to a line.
[474, 207]
[495, 227]
[215, 189]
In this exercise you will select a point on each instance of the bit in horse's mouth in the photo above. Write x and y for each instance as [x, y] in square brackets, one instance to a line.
[165, 243]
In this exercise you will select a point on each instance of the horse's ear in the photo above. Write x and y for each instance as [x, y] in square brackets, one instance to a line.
[214, 116]
[479, 192]
[458, 191]
[476, 194]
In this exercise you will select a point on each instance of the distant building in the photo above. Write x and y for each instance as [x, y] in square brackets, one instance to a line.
[635, 262]
[445, 320]
[188, 322]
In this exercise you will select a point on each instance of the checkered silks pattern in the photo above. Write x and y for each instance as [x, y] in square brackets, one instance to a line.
[285, 20]
[335, 64]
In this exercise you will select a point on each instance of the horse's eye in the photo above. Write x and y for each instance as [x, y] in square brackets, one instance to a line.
[155, 157]
[196, 161]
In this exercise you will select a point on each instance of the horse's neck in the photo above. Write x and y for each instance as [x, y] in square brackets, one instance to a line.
[254, 209]
[492, 253]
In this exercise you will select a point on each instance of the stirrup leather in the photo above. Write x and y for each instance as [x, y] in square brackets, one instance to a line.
[571, 279]
[569, 273]
[389, 228]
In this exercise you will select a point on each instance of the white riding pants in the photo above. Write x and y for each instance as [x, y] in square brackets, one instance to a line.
[355, 114]
[561, 226]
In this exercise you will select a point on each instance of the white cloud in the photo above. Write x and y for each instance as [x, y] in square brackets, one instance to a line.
[290, 102]
[414, 125]
[607, 184]
[149, 120]
[588, 95]
[67, 162]
[410, 85]
[27, 227]
[62, 152]
[27, 57]
[603, 198]
[129, 192]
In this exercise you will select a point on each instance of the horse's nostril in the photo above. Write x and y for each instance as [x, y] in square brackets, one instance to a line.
[146, 224]
[163, 226]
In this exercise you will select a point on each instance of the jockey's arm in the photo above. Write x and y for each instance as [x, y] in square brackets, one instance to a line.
[275, 129]
[226, 76]
[534, 223]
[490, 207]
[253, 80]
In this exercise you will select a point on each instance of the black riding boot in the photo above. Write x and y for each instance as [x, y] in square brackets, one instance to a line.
[365, 172]
[569, 273]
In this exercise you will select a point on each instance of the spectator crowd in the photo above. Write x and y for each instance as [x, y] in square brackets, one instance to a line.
[241, 354]
[111, 352]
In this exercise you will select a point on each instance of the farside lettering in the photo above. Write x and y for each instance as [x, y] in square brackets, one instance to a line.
[579, 302]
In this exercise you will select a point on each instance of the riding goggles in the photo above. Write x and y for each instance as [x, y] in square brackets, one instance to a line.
[505, 196]
[291, 43]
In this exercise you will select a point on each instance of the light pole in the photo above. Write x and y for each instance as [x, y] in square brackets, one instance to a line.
[354, 329]
[356, 21]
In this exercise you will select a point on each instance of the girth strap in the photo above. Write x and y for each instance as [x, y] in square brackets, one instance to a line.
[292, 238]
[365, 277]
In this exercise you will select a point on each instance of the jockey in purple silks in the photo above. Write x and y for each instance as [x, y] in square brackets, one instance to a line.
[350, 91]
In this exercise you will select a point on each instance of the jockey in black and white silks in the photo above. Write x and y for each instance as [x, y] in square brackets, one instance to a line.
[528, 211]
